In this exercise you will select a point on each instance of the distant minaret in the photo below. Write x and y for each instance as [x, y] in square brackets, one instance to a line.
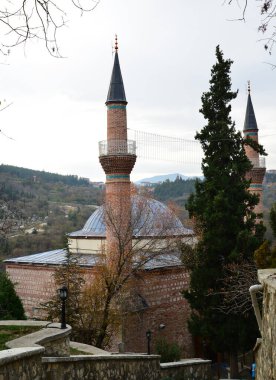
[257, 173]
[117, 157]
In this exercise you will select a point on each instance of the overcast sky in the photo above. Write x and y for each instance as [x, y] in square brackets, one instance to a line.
[166, 50]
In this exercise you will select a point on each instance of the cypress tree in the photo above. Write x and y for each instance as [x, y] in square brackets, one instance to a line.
[222, 209]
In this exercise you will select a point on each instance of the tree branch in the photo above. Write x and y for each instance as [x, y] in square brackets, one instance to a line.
[36, 19]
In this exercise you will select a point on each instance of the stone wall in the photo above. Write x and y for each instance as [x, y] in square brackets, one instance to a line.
[55, 340]
[119, 367]
[189, 369]
[29, 364]
[266, 349]
[21, 364]
[23, 358]
[29, 359]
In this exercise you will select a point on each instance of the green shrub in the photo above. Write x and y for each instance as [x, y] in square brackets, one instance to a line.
[169, 352]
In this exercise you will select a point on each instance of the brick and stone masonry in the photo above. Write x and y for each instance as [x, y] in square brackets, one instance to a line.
[165, 314]
[160, 288]
[257, 173]
[117, 161]
[156, 291]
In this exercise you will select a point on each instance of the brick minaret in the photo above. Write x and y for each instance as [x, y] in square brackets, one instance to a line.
[256, 174]
[117, 157]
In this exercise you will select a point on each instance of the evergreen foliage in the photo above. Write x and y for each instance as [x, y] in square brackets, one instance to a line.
[169, 352]
[51, 204]
[222, 209]
[174, 189]
[29, 174]
[10, 304]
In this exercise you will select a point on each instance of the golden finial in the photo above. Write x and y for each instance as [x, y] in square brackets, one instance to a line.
[116, 43]
[248, 87]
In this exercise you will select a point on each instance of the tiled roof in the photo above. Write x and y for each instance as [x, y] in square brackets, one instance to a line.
[58, 257]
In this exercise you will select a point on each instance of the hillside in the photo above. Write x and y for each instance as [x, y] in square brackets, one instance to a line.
[179, 190]
[38, 208]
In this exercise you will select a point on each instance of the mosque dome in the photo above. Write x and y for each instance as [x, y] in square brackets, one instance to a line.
[149, 218]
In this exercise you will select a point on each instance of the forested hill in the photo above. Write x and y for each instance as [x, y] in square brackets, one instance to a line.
[42, 176]
[18, 184]
[39, 208]
[179, 189]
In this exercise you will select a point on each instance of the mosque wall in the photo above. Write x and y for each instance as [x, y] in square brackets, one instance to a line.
[165, 315]
[34, 285]
[160, 289]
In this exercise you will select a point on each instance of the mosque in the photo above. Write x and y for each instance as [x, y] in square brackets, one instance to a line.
[128, 220]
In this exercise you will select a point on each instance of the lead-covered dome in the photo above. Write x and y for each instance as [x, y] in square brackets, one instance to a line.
[150, 218]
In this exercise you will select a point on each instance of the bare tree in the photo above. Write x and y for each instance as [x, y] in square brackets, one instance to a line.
[267, 17]
[238, 277]
[9, 217]
[25, 20]
[153, 234]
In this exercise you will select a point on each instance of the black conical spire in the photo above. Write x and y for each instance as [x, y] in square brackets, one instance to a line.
[250, 119]
[116, 92]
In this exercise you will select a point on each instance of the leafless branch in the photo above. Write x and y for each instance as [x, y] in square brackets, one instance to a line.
[242, 18]
[268, 14]
[141, 240]
[237, 279]
[10, 217]
[36, 19]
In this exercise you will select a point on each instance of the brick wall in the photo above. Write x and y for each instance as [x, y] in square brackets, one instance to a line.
[161, 289]
[250, 152]
[117, 123]
[33, 284]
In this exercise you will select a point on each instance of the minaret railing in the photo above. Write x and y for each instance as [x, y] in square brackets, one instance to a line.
[258, 162]
[117, 147]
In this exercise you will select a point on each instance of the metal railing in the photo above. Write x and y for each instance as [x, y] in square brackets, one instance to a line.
[258, 162]
[117, 147]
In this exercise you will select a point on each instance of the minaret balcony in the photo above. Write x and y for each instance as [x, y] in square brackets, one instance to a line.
[117, 156]
[117, 147]
[258, 162]
[257, 173]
